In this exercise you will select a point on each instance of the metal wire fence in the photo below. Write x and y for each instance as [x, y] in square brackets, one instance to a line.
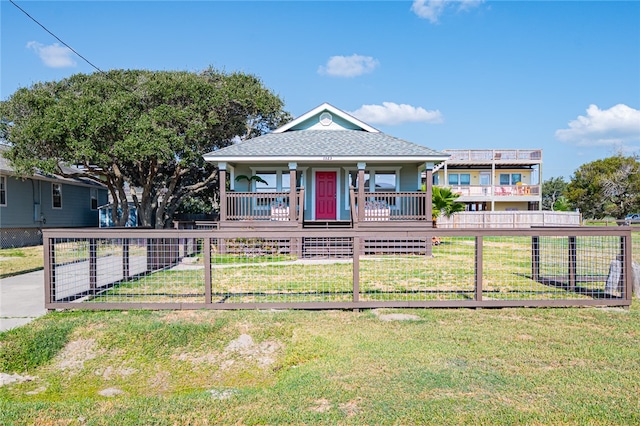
[124, 269]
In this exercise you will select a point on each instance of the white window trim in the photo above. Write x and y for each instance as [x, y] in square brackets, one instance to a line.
[53, 205]
[4, 181]
[280, 171]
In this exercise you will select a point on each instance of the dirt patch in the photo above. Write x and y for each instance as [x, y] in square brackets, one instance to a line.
[350, 408]
[110, 392]
[241, 349]
[160, 381]
[247, 348]
[321, 406]
[111, 372]
[6, 379]
[396, 317]
[75, 353]
[222, 394]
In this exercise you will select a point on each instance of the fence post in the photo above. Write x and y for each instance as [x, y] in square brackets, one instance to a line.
[125, 258]
[93, 265]
[356, 269]
[573, 260]
[535, 258]
[49, 270]
[627, 267]
[207, 270]
[478, 269]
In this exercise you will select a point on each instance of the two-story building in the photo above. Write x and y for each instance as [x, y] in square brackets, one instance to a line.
[493, 179]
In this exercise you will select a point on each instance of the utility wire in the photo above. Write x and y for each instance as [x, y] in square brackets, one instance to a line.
[69, 47]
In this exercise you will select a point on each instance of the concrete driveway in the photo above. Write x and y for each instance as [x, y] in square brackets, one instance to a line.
[21, 299]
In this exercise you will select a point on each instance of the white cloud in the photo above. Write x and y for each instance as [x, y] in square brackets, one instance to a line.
[390, 113]
[616, 126]
[53, 55]
[433, 9]
[349, 66]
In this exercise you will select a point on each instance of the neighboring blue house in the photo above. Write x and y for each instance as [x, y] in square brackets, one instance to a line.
[44, 201]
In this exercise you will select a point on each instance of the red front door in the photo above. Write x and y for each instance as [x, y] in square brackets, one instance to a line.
[326, 183]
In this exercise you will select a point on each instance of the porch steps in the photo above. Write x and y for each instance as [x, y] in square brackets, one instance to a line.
[327, 224]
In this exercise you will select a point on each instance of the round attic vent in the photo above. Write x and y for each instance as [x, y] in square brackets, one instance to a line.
[326, 118]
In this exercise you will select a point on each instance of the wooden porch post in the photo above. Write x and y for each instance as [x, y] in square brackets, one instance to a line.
[293, 200]
[429, 193]
[222, 179]
[361, 167]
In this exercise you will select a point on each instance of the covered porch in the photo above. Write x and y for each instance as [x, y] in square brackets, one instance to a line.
[320, 206]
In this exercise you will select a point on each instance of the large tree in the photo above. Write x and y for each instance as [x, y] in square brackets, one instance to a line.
[552, 191]
[138, 129]
[607, 187]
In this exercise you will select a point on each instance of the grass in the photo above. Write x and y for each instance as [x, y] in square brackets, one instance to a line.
[454, 366]
[20, 260]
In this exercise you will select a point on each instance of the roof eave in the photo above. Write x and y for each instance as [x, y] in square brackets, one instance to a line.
[326, 159]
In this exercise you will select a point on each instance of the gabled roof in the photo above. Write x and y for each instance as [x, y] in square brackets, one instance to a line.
[317, 112]
[325, 133]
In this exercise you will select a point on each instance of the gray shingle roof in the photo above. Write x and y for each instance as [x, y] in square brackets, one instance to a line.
[335, 143]
[6, 168]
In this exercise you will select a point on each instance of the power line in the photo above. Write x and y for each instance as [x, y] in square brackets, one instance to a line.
[69, 47]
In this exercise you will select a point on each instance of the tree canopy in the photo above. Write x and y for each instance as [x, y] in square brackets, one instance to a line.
[553, 193]
[607, 187]
[138, 129]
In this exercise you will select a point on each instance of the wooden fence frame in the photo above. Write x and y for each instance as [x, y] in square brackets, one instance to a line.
[171, 236]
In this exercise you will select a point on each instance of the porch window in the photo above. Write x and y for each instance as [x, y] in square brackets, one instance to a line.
[56, 195]
[3, 191]
[353, 179]
[386, 181]
[270, 184]
[276, 181]
[458, 179]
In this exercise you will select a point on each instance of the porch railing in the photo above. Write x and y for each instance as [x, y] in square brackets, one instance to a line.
[497, 191]
[383, 206]
[484, 155]
[273, 206]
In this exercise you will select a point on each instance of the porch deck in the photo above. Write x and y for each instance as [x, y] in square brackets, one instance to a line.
[286, 210]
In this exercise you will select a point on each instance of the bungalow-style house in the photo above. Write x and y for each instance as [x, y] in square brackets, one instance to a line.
[325, 169]
[493, 179]
[44, 201]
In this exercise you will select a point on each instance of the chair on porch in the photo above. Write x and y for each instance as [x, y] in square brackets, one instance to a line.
[279, 211]
[376, 210]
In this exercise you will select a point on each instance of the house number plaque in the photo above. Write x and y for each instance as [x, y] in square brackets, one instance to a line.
[327, 158]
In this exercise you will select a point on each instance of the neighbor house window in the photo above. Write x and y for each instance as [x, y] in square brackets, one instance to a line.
[510, 178]
[3, 191]
[94, 199]
[456, 179]
[56, 195]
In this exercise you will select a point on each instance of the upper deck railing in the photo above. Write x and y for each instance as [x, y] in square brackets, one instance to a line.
[494, 155]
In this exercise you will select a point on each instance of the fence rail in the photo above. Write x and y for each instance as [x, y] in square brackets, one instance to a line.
[337, 269]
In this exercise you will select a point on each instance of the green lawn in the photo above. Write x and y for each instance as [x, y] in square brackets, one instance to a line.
[445, 366]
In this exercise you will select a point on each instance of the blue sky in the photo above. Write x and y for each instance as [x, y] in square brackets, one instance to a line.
[560, 76]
